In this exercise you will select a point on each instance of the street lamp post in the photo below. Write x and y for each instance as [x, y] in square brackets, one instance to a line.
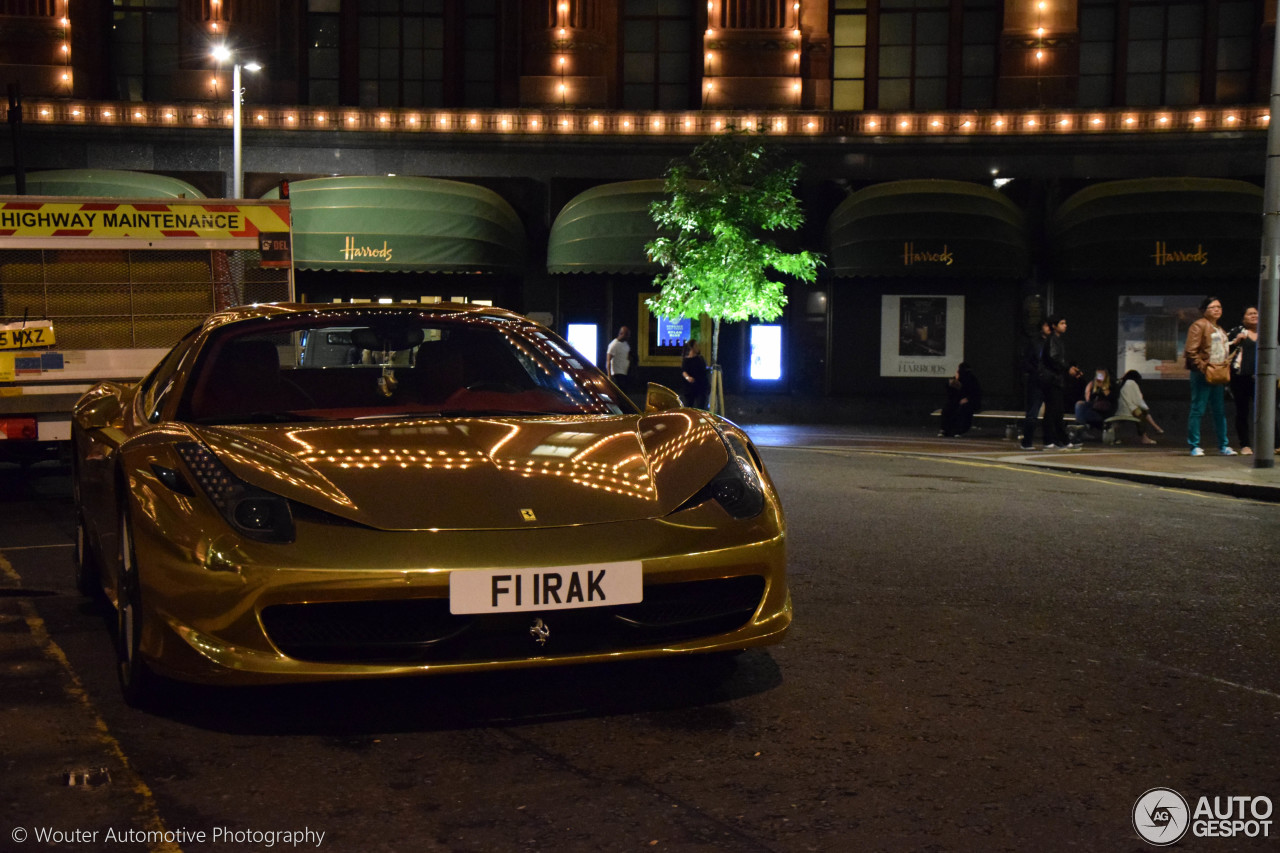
[222, 53]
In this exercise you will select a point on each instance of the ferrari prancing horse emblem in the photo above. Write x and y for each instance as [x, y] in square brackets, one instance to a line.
[539, 631]
[527, 515]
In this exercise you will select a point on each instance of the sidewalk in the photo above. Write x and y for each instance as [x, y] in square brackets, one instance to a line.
[1166, 464]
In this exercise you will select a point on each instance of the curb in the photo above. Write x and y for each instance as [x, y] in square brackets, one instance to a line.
[1250, 491]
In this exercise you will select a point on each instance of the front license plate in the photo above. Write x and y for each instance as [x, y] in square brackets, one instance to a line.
[552, 588]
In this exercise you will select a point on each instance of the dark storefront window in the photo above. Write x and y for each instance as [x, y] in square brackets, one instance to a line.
[1238, 26]
[406, 53]
[480, 53]
[1158, 53]
[657, 54]
[1097, 53]
[144, 49]
[914, 37]
[915, 54]
[323, 46]
[849, 43]
[401, 49]
[1164, 49]
[980, 37]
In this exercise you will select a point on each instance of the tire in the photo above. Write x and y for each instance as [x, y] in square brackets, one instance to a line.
[84, 561]
[140, 686]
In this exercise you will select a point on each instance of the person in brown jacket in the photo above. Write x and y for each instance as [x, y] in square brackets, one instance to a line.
[1206, 344]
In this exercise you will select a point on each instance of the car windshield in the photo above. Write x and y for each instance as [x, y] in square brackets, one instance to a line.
[369, 364]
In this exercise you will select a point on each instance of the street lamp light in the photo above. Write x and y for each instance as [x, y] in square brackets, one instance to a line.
[222, 53]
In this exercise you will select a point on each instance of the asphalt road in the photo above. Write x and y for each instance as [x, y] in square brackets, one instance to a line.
[983, 659]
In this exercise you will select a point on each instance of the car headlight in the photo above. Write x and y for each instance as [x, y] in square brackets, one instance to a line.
[737, 487]
[251, 511]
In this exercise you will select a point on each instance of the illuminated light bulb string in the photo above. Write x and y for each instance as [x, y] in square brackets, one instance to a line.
[798, 86]
[64, 49]
[562, 60]
[1041, 7]
[445, 122]
[708, 71]
[215, 18]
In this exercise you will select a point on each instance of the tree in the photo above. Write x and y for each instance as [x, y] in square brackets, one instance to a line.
[733, 189]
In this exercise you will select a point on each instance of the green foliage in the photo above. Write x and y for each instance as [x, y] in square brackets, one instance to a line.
[733, 190]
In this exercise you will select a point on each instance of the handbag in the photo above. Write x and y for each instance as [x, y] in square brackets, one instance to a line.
[1217, 374]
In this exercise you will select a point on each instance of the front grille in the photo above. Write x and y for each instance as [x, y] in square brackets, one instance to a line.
[424, 631]
[361, 630]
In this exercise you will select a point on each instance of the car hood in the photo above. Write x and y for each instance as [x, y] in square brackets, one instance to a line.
[480, 473]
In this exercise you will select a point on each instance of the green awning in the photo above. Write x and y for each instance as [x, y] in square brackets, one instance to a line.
[1159, 228]
[605, 229]
[928, 229]
[101, 183]
[403, 224]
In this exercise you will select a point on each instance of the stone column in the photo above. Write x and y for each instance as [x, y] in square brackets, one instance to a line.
[1039, 54]
[756, 54]
[568, 53]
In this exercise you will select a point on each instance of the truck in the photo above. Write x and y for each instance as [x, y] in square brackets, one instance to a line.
[95, 289]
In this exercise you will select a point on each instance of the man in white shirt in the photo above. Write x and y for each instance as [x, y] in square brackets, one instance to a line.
[617, 358]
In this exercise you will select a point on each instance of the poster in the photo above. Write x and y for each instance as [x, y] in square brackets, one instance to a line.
[1152, 333]
[661, 340]
[921, 335]
[672, 332]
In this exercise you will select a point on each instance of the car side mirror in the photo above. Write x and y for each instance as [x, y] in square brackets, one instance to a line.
[99, 412]
[660, 398]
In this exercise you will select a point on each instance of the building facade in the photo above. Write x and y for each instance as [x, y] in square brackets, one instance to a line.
[968, 164]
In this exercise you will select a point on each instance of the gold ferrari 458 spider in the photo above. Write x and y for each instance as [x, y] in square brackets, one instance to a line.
[308, 492]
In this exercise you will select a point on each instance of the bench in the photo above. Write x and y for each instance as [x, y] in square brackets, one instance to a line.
[1011, 420]
[1111, 427]
[1013, 423]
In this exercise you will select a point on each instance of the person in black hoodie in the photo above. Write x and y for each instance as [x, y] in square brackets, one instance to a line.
[964, 399]
[1035, 398]
[1055, 368]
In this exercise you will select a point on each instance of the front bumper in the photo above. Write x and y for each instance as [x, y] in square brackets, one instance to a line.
[348, 602]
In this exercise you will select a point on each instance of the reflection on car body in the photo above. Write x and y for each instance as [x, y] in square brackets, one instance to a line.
[307, 492]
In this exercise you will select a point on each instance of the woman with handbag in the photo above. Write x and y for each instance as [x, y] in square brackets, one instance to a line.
[1206, 357]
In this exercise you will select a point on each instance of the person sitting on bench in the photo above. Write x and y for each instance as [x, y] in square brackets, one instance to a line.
[964, 399]
[1099, 401]
[1130, 403]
